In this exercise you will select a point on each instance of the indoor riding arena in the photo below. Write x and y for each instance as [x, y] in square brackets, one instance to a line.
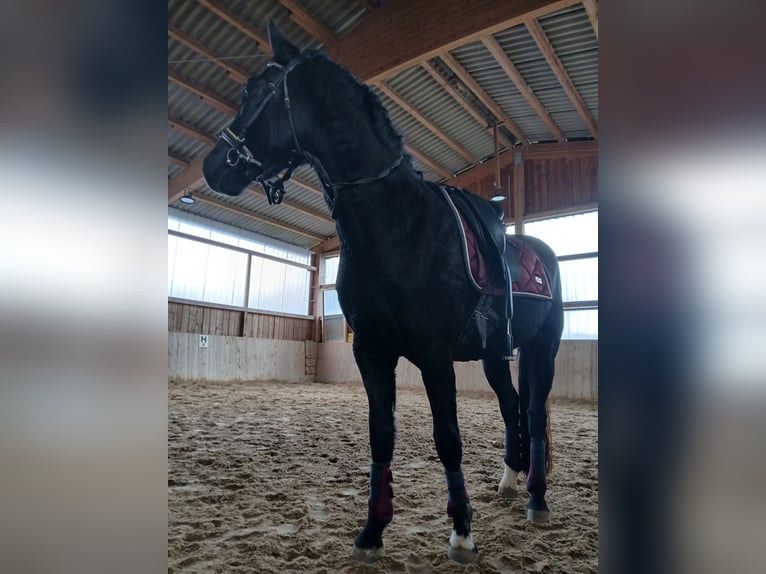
[269, 428]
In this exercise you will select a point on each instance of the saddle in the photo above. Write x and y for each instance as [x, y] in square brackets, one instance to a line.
[485, 222]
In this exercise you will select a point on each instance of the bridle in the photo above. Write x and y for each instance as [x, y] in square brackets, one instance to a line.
[274, 187]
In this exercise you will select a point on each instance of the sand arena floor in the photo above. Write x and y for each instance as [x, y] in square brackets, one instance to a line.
[272, 477]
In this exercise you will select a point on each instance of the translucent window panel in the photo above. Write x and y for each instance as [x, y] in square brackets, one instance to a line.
[579, 279]
[510, 229]
[204, 272]
[296, 298]
[580, 324]
[208, 229]
[267, 284]
[567, 235]
[331, 303]
[330, 270]
[334, 328]
[186, 270]
[225, 277]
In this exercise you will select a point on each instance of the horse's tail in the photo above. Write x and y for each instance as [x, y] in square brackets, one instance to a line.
[548, 439]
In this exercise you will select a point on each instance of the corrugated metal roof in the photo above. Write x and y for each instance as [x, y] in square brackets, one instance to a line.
[340, 16]
[420, 137]
[418, 88]
[568, 30]
[483, 67]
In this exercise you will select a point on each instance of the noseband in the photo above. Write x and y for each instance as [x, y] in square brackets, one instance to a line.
[274, 187]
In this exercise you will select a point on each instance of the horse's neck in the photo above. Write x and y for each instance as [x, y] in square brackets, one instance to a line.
[376, 218]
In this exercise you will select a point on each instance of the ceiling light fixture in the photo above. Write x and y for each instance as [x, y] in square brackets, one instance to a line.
[187, 197]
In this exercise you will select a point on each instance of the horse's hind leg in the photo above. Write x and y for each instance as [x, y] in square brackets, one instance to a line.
[499, 377]
[536, 371]
[377, 369]
[439, 380]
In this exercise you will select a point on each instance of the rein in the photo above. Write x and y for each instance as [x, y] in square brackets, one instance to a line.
[274, 187]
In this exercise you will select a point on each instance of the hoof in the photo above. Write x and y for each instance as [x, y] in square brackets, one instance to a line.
[538, 516]
[463, 555]
[367, 555]
[507, 492]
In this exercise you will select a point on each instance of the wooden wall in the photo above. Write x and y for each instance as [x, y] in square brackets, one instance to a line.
[229, 358]
[191, 318]
[550, 184]
[576, 370]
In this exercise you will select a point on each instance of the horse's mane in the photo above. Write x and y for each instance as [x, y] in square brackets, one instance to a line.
[377, 112]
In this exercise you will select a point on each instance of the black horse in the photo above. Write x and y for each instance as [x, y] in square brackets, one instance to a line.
[402, 281]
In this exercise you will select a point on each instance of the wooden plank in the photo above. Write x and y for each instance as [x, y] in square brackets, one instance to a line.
[592, 9]
[209, 97]
[234, 72]
[258, 217]
[452, 63]
[457, 96]
[176, 159]
[513, 73]
[518, 191]
[428, 124]
[239, 23]
[441, 170]
[190, 131]
[415, 30]
[190, 178]
[558, 69]
[206, 314]
[309, 23]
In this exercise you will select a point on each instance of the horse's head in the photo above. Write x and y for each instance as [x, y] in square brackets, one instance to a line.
[260, 143]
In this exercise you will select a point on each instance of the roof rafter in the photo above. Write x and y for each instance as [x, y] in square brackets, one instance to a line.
[592, 9]
[458, 97]
[239, 23]
[308, 22]
[176, 159]
[417, 30]
[451, 62]
[513, 73]
[234, 72]
[424, 159]
[258, 217]
[555, 64]
[210, 98]
[190, 131]
[252, 188]
[414, 112]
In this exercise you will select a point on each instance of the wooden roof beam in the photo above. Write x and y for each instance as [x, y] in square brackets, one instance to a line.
[417, 30]
[210, 98]
[254, 188]
[458, 97]
[414, 112]
[190, 131]
[592, 9]
[257, 217]
[569, 150]
[235, 73]
[176, 159]
[513, 73]
[190, 178]
[308, 22]
[463, 75]
[554, 62]
[427, 161]
[239, 23]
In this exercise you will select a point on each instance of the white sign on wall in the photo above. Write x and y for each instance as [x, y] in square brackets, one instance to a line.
[203, 341]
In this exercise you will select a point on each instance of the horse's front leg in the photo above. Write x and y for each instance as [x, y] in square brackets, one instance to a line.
[439, 380]
[377, 369]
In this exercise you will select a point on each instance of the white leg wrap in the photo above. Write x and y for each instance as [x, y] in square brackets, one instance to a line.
[508, 482]
[456, 541]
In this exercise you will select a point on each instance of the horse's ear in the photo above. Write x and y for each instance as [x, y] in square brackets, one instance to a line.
[281, 47]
